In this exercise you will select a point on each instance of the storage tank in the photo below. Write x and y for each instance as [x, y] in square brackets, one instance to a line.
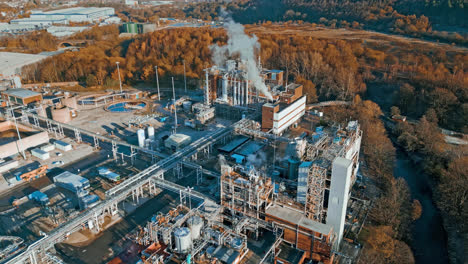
[187, 105]
[141, 138]
[70, 102]
[61, 115]
[151, 132]
[196, 224]
[183, 241]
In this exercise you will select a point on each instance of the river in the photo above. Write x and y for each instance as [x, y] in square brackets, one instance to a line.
[429, 243]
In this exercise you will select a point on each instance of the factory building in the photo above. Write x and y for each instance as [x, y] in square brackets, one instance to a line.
[40, 22]
[75, 14]
[177, 141]
[73, 183]
[277, 117]
[21, 96]
[229, 84]
[244, 191]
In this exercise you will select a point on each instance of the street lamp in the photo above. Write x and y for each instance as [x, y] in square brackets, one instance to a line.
[157, 81]
[175, 107]
[185, 80]
[118, 72]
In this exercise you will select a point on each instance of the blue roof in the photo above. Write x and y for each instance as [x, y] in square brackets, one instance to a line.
[238, 158]
[39, 196]
[305, 164]
[276, 71]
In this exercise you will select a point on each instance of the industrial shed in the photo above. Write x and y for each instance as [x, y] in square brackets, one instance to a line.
[21, 96]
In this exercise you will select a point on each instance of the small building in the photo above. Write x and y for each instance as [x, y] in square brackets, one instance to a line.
[21, 96]
[110, 175]
[62, 145]
[73, 183]
[88, 201]
[41, 154]
[48, 147]
[39, 197]
[177, 141]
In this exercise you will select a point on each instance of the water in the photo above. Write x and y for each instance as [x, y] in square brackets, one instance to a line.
[429, 242]
[120, 107]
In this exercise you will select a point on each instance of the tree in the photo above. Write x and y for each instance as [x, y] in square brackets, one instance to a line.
[394, 110]
[453, 189]
[417, 210]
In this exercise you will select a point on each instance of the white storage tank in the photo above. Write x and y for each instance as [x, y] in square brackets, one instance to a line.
[141, 138]
[196, 224]
[151, 132]
[183, 241]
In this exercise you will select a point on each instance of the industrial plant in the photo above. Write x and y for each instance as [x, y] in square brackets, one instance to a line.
[241, 170]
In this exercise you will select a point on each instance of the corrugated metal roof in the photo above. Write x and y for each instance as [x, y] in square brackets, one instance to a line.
[21, 93]
[74, 11]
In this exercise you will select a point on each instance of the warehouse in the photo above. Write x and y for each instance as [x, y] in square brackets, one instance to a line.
[21, 96]
[40, 22]
[76, 14]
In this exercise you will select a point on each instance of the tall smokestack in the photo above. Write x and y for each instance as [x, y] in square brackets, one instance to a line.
[234, 95]
[225, 84]
[246, 92]
[207, 89]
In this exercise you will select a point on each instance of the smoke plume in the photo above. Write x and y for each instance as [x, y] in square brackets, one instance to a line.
[244, 46]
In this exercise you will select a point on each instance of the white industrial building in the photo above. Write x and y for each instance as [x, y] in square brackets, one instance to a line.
[76, 14]
[285, 115]
[177, 141]
[40, 22]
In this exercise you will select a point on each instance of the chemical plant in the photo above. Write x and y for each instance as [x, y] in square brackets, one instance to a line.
[241, 170]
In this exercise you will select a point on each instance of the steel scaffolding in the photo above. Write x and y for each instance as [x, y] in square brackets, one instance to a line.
[315, 192]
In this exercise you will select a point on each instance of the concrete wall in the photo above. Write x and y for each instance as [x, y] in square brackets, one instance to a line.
[15, 147]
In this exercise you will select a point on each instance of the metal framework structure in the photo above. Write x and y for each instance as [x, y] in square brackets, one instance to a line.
[315, 192]
[249, 195]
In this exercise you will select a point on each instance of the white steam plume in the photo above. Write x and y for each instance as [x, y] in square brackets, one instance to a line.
[244, 46]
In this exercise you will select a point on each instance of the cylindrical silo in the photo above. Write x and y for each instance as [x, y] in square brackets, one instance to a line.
[187, 105]
[61, 115]
[196, 224]
[151, 132]
[141, 138]
[183, 241]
